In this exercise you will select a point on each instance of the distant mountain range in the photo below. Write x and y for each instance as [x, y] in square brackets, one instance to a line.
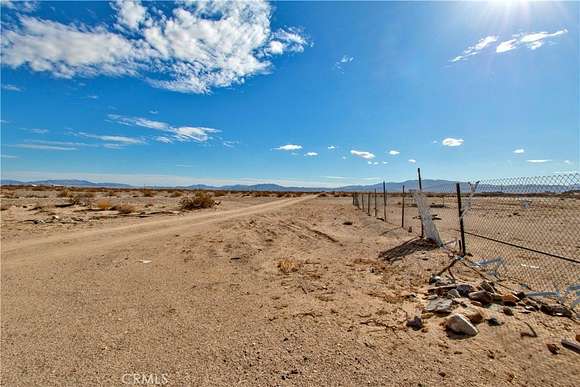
[429, 185]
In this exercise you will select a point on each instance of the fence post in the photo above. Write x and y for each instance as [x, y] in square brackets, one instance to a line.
[369, 204]
[403, 209]
[375, 203]
[420, 190]
[460, 212]
[384, 201]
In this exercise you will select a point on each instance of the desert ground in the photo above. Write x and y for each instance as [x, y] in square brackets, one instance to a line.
[268, 290]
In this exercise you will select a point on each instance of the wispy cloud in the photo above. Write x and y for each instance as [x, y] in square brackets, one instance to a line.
[111, 138]
[197, 47]
[394, 152]
[363, 154]
[8, 156]
[569, 162]
[289, 147]
[540, 161]
[331, 147]
[519, 151]
[45, 147]
[339, 65]
[181, 134]
[311, 154]
[532, 41]
[412, 161]
[450, 141]
[475, 49]
[9, 87]
[36, 130]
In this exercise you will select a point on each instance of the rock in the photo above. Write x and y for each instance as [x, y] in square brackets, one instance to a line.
[476, 303]
[465, 289]
[553, 348]
[487, 286]
[521, 295]
[55, 217]
[434, 279]
[507, 310]
[473, 315]
[347, 223]
[481, 296]
[578, 337]
[509, 299]
[494, 322]
[531, 304]
[571, 345]
[460, 324]
[556, 310]
[415, 323]
[453, 293]
[440, 305]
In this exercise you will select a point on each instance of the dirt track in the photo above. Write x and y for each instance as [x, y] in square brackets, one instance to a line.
[212, 308]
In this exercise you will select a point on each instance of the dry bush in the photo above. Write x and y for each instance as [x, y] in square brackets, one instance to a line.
[65, 193]
[104, 204]
[218, 194]
[124, 208]
[111, 193]
[322, 195]
[176, 194]
[149, 193]
[197, 201]
[83, 198]
[289, 265]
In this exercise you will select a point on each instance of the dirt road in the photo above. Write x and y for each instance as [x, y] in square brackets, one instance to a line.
[199, 300]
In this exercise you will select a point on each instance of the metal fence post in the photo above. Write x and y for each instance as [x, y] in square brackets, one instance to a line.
[375, 203]
[369, 204]
[460, 212]
[420, 190]
[403, 209]
[384, 201]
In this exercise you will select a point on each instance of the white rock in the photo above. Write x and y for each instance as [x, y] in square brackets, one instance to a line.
[458, 323]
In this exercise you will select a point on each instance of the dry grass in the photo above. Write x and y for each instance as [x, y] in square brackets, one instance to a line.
[104, 204]
[65, 193]
[124, 208]
[176, 194]
[289, 265]
[81, 199]
[148, 193]
[197, 201]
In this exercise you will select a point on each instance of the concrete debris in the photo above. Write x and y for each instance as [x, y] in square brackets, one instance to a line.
[460, 324]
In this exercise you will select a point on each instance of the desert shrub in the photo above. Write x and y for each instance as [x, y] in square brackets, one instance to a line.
[124, 208]
[148, 193]
[323, 195]
[83, 198]
[280, 194]
[176, 194]
[64, 193]
[111, 193]
[197, 201]
[289, 265]
[104, 204]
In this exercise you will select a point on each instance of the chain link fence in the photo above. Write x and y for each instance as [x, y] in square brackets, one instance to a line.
[524, 229]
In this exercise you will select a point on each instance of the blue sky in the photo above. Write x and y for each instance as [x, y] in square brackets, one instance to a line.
[318, 93]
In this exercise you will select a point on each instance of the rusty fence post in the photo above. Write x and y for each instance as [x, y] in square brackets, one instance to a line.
[403, 209]
[420, 190]
[384, 201]
[375, 203]
[369, 204]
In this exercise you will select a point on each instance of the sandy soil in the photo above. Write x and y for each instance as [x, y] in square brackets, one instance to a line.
[199, 299]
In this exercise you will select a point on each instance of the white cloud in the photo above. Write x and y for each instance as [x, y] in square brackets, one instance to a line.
[37, 131]
[384, 162]
[184, 133]
[198, 47]
[163, 139]
[109, 138]
[506, 46]
[20, 6]
[343, 61]
[476, 48]
[9, 87]
[412, 161]
[130, 13]
[538, 161]
[532, 40]
[394, 152]
[311, 154]
[449, 141]
[45, 147]
[363, 154]
[331, 147]
[8, 156]
[568, 162]
[519, 151]
[289, 147]
[153, 112]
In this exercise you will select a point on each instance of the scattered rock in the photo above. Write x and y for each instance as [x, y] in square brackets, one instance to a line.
[487, 286]
[347, 223]
[453, 293]
[415, 323]
[440, 305]
[494, 322]
[481, 296]
[476, 303]
[556, 310]
[434, 279]
[507, 311]
[571, 345]
[509, 299]
[553, 348]
[460, 324]
[473, 315]
[465, 289]
[531, 304]
[235, 258]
